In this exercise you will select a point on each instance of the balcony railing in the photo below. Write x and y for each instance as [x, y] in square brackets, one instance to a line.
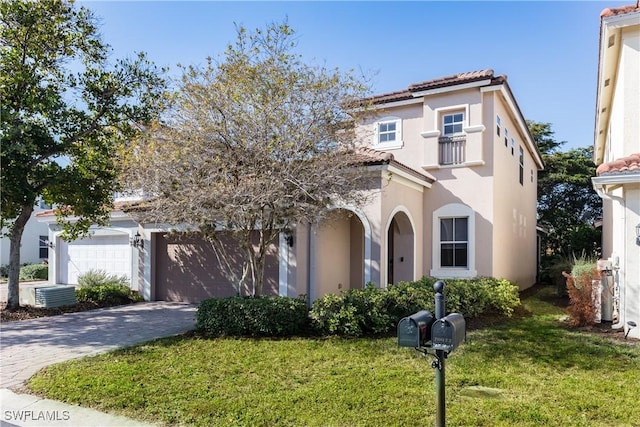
[452, 149]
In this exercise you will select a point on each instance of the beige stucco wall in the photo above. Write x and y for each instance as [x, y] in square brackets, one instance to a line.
[402, 197]
[514, 205]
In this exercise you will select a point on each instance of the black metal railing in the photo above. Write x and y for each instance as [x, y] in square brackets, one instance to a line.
[452, 149]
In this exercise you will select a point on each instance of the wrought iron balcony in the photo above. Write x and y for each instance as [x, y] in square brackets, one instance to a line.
[452, 150]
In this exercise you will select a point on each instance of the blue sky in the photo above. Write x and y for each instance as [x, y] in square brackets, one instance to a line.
[548, 49]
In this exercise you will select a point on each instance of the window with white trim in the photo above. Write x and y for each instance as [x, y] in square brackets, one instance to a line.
[506, 137]
[43, 246]
[498, 125]
[452, 124]
[454, 242]
[521, 161]
[453, 245]
[388, 133]
[453, 140]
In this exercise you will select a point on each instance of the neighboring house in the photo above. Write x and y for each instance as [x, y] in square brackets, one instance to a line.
[617, 156]
[455, 171]
[109, 248]
[34, 248]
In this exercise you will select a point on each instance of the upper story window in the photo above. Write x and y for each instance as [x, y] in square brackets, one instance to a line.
[521, 161]
[453, 140]
[452, 124]
[498, 125]
[388, 133]
[506, 137]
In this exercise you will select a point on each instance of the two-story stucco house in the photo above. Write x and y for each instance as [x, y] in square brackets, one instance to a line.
[617, 155]
[454, 172]
[458, 198]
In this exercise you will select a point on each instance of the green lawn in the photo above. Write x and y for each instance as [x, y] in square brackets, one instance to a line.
[529, 372]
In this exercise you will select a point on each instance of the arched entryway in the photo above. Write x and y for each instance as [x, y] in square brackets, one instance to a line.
[340, 253]
[400, 249]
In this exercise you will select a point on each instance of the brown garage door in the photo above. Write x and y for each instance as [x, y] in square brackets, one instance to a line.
[187, 270]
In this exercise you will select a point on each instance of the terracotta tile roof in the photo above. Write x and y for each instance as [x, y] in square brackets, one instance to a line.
[117, 206]
[447, 81]
[629, 164]
[613, 11]
[371, 157]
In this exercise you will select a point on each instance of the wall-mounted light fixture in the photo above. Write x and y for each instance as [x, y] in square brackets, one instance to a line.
[638, 234]
[289, 240]
[49, 244]
[136, 241]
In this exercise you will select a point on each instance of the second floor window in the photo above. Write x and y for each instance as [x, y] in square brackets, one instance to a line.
[452, 142]
[388, 133]
[452, 124]
[521, 161]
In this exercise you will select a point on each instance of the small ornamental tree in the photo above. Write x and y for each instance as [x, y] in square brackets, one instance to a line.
[61, 128]
[252, 145]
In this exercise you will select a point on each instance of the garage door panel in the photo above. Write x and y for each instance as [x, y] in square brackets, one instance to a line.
[188, 270]
[109, 253]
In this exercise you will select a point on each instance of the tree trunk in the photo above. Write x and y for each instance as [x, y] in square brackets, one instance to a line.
[15, 237]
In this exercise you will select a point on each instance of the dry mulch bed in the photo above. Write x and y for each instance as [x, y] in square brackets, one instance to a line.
[27, 312]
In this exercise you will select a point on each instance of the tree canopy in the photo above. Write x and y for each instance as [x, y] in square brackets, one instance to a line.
[255, 142]
[66, 113]
[568, 206]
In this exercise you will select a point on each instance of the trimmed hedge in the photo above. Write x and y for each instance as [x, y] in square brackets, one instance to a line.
[34, 272]
[373, 311]
[260, 316]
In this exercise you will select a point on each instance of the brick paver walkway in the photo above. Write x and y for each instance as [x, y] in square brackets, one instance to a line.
[29, 345]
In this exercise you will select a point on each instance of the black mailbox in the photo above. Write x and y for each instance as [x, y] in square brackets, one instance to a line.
[448, 333]
[415, 330]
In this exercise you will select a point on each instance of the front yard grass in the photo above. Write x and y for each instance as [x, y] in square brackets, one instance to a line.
[529, 371]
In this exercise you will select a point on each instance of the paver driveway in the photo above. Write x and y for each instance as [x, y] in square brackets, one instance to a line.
[29, 345]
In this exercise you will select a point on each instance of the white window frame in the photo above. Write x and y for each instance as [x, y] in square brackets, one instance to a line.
[453, 210]
[521, 165]
[388, 145]
[498, 125]
[43, 244]
[462, 123]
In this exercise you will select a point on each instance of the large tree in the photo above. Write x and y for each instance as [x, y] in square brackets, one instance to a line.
[66, 112]
[568, 206]
[255, 142]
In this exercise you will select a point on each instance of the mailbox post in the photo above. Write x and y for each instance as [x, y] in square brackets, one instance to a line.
[440, 358]
[440, 333]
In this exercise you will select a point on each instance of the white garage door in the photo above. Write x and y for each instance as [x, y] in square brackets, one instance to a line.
[109, 253]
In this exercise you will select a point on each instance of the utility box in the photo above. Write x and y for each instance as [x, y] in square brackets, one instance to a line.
[415, 330]
[448, 333]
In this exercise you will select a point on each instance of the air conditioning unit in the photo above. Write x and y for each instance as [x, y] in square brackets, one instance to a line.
[48, 295]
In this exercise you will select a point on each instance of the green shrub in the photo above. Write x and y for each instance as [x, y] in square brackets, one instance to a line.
[100, 277]
[99, 287]
[262, 316]
[355, 312]
[372, 311]
[34, 272]
[4, 270]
